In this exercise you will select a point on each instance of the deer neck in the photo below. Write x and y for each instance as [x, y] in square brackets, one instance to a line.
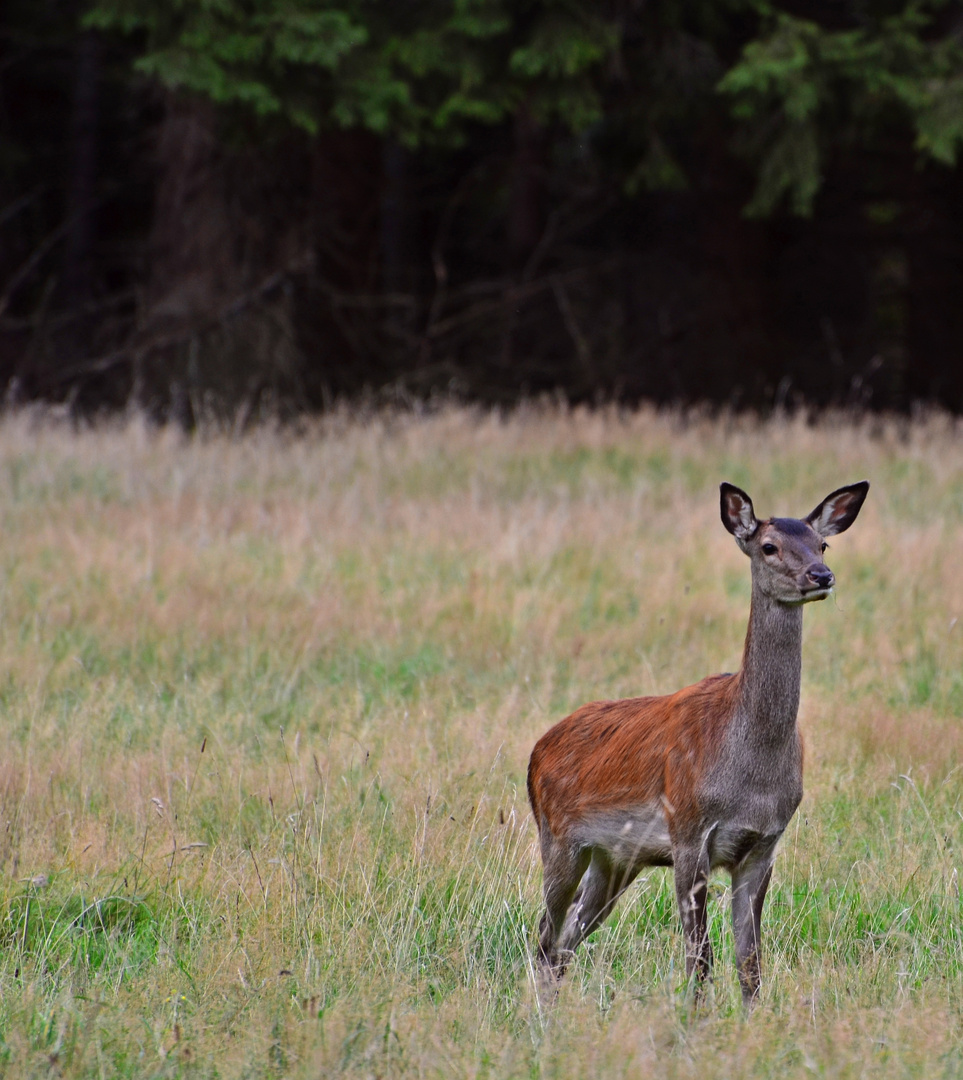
[771, 666]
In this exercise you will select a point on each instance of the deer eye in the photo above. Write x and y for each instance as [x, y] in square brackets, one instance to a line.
[769, 549]
[823, 546]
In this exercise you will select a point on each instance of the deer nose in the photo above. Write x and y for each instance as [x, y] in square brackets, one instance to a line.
[821, 576]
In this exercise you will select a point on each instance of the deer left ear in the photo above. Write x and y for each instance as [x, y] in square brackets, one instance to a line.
[738, 515]
[838, 511]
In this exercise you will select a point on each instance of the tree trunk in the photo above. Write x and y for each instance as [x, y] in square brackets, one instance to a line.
[76, 279]
[526, 215]
[228, 231]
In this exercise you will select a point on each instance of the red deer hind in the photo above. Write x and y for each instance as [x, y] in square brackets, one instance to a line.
[707, 777]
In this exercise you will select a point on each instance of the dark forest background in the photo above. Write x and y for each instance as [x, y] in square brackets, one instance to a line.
[226, 205]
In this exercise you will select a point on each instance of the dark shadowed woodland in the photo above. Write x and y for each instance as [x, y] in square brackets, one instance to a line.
[275, 205]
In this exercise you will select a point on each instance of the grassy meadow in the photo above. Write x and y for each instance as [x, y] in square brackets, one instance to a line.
[267, 707]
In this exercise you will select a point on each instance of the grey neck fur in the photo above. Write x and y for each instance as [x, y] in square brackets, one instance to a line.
[771, 673]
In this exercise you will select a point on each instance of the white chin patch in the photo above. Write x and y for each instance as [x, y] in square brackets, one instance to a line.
[816, 594]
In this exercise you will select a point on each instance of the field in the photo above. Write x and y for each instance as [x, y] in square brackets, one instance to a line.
[268, 703]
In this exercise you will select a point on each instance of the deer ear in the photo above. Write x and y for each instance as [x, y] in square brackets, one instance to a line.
[737, 513]
[838, 511]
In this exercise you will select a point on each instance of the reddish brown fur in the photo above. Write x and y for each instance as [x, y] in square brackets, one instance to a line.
[639, 749]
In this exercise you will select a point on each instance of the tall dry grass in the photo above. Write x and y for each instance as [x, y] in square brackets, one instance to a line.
[269, 700]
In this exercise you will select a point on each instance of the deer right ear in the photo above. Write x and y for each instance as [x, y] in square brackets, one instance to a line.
[737, 513]
[838, 511]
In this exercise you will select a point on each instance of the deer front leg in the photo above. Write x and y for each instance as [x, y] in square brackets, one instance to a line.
[692, 888]
[750, 880]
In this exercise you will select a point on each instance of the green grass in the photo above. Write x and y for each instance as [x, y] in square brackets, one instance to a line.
[268, 704]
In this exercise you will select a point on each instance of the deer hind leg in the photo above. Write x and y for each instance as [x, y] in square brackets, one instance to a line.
[692, 889]
[563, 866]
[603, 884]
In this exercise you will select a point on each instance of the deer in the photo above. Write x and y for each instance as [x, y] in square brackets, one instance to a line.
[706, 778]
